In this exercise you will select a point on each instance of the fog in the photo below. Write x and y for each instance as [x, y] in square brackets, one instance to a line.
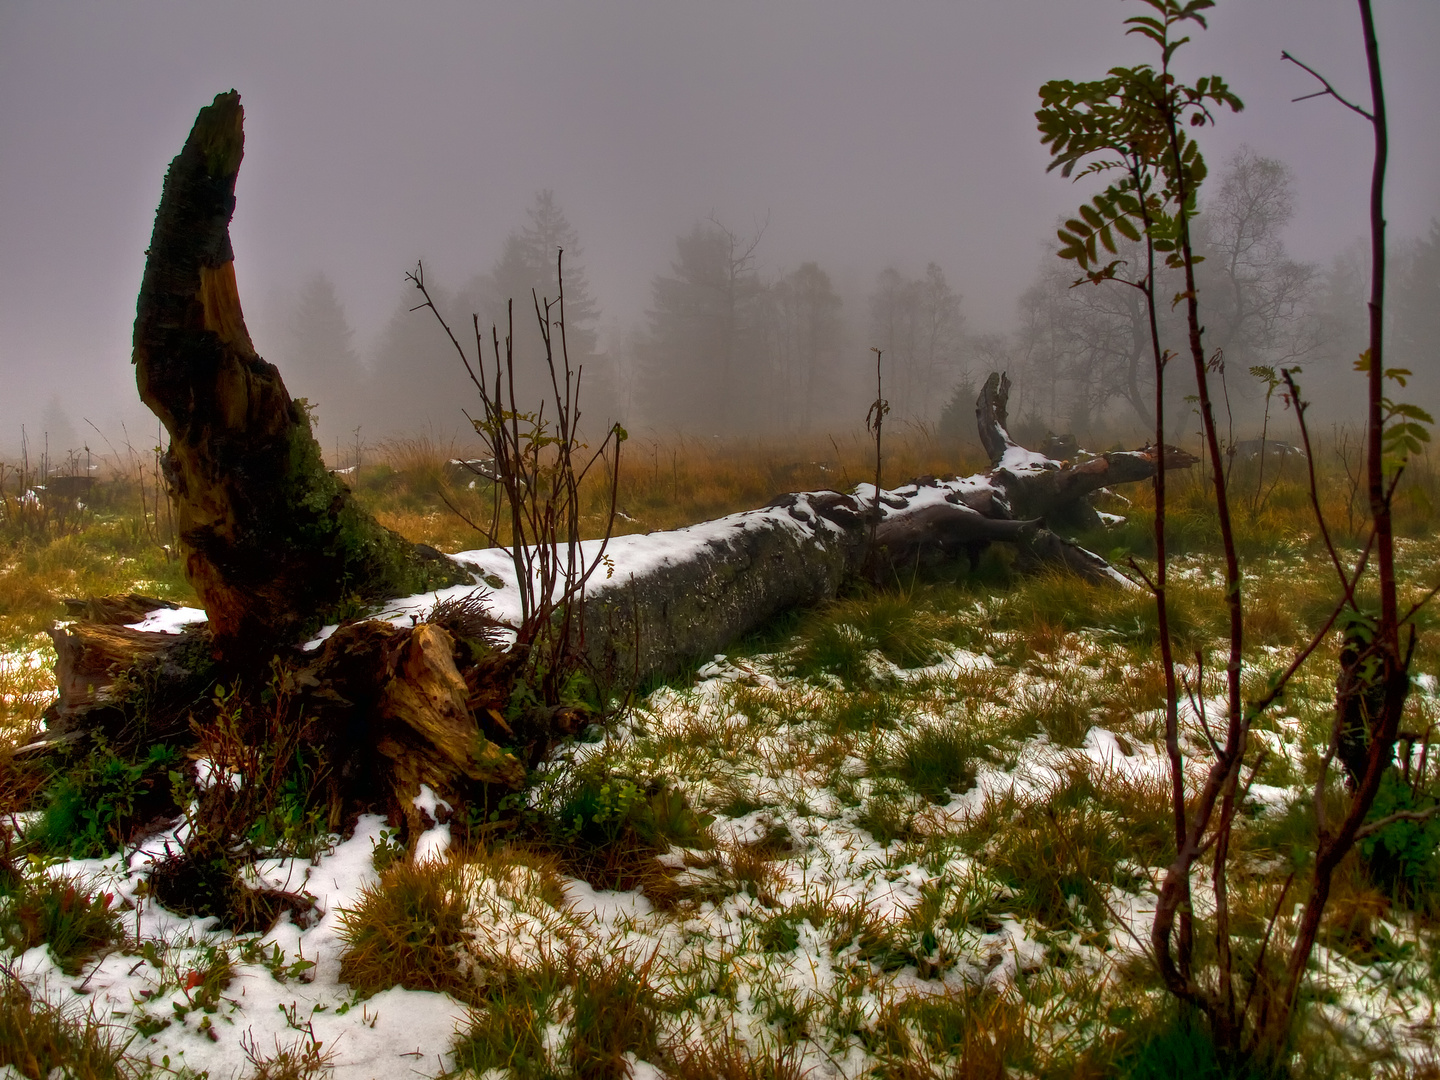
[865, 139]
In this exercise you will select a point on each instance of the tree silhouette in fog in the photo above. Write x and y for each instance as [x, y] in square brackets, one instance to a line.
[705, 357]
[919, 325]
[806, 346]
[319, 360]
[525, 272]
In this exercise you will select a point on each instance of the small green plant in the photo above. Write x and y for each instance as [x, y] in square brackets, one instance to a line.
[598, 808]
[387, 850]
[607, 828]
[55, 911]
[304, 1058]
[1403, 858]
[252, 951]
[94, 808]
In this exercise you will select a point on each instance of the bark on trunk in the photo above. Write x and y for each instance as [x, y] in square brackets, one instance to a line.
[273, 544]
[133, 686]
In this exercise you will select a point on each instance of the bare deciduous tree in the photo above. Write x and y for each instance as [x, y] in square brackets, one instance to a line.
[919, 324]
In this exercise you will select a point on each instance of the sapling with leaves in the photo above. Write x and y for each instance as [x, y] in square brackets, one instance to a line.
[1131, 125]
[1135, 123]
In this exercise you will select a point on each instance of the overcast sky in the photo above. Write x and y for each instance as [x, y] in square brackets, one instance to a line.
[379, 133]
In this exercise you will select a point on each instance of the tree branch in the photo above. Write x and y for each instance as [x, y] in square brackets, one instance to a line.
[1329, 90]
[1390, 819]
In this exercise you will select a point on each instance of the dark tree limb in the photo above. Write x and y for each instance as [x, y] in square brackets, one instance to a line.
[991, 416]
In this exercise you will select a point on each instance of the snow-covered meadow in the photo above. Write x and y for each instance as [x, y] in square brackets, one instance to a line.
[937, 820]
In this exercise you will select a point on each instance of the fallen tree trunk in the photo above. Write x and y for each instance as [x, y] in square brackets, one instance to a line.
[727, 578]
[720, 580]
[274, 546]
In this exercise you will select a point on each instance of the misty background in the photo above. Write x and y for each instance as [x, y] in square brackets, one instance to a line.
[750, 197]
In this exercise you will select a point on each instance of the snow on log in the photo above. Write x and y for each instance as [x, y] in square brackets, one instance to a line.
[672, 598]
[1035, 485]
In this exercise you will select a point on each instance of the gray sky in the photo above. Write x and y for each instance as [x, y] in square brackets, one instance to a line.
[379, 133]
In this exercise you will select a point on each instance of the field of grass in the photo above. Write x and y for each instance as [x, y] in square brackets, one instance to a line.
[914, 833]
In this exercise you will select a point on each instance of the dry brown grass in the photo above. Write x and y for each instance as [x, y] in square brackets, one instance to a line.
[408, 930]
[1132, 691]
[727, 1058]
[973, 1035]
[665, 482]
[37, 1039]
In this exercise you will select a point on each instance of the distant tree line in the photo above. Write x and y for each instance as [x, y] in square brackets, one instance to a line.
[727, 349]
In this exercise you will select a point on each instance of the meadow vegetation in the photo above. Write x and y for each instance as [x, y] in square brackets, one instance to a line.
[916, 832]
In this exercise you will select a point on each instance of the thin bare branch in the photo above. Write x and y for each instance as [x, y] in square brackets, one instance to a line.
[1329, 90]
[1385, 822]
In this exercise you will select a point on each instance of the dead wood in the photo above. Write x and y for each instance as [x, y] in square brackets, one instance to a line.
[273, 543]
[114, 610]
[1036, 485]
[132, 685]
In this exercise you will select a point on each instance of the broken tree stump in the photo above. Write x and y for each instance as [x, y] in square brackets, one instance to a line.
[273, 543]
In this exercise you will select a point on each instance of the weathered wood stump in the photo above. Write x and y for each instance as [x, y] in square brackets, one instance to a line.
[273, 543]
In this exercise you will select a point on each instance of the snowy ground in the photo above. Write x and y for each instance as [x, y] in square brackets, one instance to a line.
[807, 923]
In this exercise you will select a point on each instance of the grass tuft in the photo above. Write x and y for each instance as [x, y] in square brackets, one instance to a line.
[970, 1034]
[408, 931]
[840, 637]
[37, 1039]
[55, 911]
